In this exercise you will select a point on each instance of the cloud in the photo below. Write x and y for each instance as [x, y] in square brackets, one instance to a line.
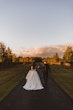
[47, 51]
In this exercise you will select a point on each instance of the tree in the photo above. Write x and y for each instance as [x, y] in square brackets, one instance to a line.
[2, 51]
[68, 55]
[37, 59]
[56, 57]
[8, 55]
[26, 59]
[13, 57]
[21, 60]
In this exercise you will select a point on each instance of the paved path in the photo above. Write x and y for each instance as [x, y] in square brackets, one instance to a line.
[52, 98]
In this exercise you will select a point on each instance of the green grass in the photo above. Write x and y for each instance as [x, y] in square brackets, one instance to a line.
[64, 77]
[10, 77]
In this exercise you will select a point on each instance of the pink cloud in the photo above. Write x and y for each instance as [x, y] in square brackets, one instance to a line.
[43, 51]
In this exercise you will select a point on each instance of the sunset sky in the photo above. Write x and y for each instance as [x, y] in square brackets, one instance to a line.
[35, 23]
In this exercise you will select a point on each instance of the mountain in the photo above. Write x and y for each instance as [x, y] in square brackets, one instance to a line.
[47, 51]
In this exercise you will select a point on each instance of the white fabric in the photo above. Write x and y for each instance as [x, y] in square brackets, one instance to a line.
[33, 81]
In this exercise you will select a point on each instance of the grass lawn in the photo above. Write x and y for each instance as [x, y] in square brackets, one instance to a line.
[10, 77]
[64, 77]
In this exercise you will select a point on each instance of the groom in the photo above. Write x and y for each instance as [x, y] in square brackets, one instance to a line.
[46, 73]
[43, 71]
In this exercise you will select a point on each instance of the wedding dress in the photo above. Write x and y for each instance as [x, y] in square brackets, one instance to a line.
[33, 81]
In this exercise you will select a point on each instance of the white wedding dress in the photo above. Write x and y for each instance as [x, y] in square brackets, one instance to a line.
[33, 81]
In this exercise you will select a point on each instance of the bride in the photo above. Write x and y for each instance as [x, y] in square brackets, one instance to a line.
[33, 81]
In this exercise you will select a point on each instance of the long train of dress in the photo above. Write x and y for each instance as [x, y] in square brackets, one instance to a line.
[33, 81]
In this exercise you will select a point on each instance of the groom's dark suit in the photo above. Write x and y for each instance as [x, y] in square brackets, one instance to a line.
[41, 73]
[46, 73]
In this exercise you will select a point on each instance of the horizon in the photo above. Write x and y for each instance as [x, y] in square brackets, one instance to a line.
[46, 51]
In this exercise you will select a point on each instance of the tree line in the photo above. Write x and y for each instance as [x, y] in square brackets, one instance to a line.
[8, 57]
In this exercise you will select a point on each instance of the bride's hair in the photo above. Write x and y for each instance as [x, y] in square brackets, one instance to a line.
[33, 66]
